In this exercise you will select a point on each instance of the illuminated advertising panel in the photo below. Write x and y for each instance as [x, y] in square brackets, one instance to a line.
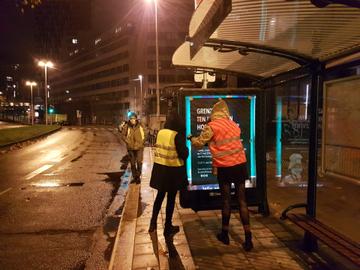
[198, 110]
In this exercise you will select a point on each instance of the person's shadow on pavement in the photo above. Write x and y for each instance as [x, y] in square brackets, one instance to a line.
[174, 259]
[175, 262]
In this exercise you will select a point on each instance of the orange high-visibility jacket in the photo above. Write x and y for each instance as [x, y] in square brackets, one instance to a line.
[225, 146]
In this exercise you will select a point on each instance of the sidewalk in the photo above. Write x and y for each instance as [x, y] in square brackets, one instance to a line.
[196, 246]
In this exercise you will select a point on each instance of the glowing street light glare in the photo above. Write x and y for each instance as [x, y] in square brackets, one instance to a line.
[29, 83]
[48, 64]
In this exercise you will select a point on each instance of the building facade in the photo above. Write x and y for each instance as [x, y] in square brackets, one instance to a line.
[116, 72]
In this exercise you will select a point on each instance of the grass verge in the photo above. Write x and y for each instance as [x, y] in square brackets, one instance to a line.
[15, 135]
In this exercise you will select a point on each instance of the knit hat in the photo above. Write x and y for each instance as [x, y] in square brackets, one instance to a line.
[132, 115]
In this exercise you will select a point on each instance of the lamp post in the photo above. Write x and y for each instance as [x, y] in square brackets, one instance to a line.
[140, 78]
[157, 59]
[46, 65]
[31, 84]
[141, 94]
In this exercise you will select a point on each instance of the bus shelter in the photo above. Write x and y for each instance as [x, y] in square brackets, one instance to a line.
[270, 42]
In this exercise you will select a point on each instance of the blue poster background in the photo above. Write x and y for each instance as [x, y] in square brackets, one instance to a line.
[199, 112]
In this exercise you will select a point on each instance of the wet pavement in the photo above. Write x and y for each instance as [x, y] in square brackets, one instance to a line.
[277, 244]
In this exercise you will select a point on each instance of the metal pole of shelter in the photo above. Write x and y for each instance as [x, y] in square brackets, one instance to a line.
[316, 88]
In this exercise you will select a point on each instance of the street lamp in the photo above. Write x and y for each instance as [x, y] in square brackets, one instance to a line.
[157, 59]
[140, 78]
[31, 84]
[46, 65]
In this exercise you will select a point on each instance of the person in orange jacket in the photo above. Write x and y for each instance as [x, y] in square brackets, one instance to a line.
[229, 162]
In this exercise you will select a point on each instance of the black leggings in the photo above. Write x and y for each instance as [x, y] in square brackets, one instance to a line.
[225, 189]
[170, 204]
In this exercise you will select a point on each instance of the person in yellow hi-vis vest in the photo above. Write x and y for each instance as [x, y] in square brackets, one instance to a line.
[133, 134]
[169, 172]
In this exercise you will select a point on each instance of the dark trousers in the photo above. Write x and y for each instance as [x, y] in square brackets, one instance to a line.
[170, 204]
[136, 159]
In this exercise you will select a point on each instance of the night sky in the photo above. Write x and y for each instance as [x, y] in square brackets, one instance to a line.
[17, 29]
[16, 33]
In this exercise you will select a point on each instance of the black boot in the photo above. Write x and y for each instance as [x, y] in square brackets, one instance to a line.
[223, 236]
[152, 227]
[248, 245]
[171, 230]
[137, 180]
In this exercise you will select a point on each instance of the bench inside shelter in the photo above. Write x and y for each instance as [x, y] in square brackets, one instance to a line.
[316, 229]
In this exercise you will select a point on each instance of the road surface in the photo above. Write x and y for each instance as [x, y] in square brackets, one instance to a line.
[54, 200]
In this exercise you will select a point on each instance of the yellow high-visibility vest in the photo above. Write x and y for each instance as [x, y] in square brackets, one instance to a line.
[165, 150]
[141, 132]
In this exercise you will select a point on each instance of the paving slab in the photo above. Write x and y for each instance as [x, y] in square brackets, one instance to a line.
[196, 245]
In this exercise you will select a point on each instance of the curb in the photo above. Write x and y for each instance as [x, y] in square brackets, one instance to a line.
[122, 259]
[30, 139]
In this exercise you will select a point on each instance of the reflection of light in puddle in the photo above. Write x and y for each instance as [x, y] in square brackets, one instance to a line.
[47, 184]
[300, 185]
[51, 184]
[305, 185]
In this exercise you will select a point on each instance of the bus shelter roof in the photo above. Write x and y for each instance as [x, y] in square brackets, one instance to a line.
[263, 38]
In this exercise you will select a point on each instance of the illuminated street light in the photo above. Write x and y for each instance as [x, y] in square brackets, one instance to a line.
[157, 58]
[46, 65]
[31, 84]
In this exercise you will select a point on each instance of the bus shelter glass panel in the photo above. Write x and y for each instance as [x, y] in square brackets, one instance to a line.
[198, 110]
[339, 163]
[287, 143]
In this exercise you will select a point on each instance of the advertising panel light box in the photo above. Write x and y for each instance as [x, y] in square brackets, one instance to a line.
[197, 115]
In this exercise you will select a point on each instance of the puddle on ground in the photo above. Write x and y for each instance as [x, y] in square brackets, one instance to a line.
[54, 184]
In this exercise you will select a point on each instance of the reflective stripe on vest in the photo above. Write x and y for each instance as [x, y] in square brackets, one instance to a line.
[227, 153]
[225, 141]
[165, 150]
[226, 146]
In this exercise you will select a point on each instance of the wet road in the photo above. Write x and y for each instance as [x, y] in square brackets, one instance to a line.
[53, 199]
